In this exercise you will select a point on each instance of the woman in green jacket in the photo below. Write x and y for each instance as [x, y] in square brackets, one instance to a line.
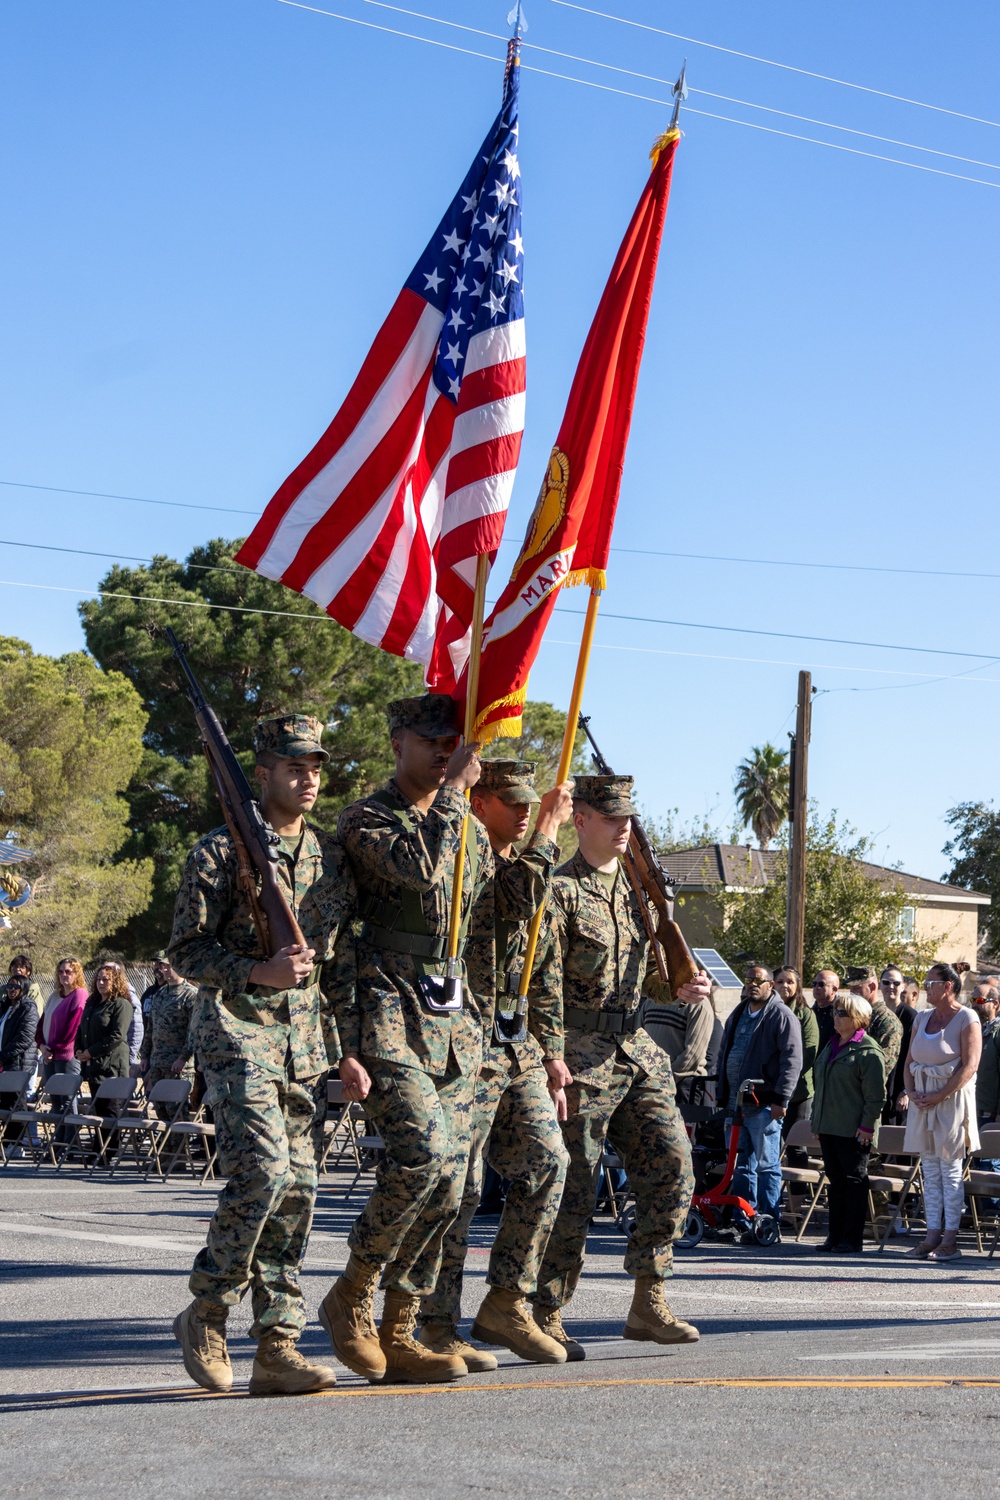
[849, 1079]
[102, 1040]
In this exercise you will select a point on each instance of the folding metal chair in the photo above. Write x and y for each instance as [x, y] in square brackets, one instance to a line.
[342, 1119]
[184, 1133]
[59, 1095]
[370, 1149]
[808, 1181]
[904, 1174]
[147, 1127]
[14, 1091]
[981, 1184]
[116, 1091]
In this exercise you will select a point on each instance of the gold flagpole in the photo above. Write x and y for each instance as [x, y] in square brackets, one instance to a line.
[471, 704]
[565, 761]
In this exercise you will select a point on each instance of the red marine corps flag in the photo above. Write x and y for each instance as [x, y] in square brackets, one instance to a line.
[383, 523]
[569, 533]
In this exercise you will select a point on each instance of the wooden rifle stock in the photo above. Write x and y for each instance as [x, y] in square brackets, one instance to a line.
[674, 959]
[254, 840]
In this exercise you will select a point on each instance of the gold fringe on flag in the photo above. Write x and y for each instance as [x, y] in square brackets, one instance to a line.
[509, 728]
[594, 578]
[662, 142]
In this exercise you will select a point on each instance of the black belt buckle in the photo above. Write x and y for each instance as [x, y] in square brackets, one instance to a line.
[512, 1025]
[440, 993]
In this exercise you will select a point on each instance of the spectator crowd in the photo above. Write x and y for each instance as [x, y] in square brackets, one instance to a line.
[851, 1058]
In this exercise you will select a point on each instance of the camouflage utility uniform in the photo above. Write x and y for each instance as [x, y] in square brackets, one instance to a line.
[514, 1123]
[887, 1029]
[423, 1065]
[166, 1037]
[263, 1052]
[595, 959]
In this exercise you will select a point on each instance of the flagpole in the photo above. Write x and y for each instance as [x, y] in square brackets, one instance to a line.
[565, 761]
[471, 705]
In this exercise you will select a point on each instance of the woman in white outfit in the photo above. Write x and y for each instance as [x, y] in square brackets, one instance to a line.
[945, 1047]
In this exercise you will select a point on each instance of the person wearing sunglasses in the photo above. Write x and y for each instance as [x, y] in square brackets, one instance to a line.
[849, 1083]
[892, 987]
[945, 1048]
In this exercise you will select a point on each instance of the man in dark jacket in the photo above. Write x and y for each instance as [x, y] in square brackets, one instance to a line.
[18, 1049]
[763, 1039]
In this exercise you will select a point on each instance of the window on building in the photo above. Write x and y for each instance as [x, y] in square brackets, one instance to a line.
[906, 924]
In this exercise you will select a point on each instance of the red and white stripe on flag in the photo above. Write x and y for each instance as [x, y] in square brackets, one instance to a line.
[383, 522]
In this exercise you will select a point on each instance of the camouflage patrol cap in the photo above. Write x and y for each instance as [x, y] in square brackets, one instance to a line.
[289, 735]
[861, 974]
[610, 795]
[433, 716]
[160, 956]
[510, 780]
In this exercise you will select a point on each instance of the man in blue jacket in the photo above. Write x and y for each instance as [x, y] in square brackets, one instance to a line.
[762, 1039]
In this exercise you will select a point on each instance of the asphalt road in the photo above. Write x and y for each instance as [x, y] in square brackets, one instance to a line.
[826, 1378]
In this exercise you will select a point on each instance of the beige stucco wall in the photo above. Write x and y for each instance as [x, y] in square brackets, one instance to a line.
[955, 930]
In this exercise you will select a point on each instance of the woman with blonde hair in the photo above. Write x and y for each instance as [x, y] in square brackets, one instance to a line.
[849, 1079]
[946, 1044]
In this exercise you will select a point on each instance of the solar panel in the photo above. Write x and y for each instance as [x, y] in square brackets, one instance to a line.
[716, 966]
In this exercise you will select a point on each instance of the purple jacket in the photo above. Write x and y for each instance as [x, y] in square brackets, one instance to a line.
[64, 1023]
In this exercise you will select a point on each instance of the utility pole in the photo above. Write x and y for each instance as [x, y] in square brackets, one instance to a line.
[798, 816]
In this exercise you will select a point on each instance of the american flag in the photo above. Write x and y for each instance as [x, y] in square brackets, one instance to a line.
[382, 523]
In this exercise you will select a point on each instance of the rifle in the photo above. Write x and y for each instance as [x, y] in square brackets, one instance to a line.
[675, 962]
[254, 840]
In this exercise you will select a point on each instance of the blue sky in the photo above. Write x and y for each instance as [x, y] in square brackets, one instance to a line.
[211, 204]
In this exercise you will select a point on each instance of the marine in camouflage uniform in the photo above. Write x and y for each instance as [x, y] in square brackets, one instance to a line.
[264, 1052]
[166, 1039]
[515, 1125]
[422, 1063]
[594, 961]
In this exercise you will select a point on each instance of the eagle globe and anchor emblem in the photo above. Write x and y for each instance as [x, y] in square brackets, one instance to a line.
[550, 508]
[14, 892]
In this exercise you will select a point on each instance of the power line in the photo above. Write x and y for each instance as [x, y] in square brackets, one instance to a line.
[785, 635]
[56, 489]
[594, 62]
[605, 615]
[771, 63]
[757, 562]
[779, 562]
[926, 678]
[121, 556]
[238, 609]
[643, 98]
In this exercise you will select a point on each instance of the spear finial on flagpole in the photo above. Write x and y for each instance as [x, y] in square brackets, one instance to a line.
[518, 20]
[673, 131]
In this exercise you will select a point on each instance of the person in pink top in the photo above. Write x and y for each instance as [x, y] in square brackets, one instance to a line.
[57, 1028]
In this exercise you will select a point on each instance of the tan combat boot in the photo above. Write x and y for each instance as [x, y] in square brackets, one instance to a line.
[348, 1316]
[444, 1338]
[650, 1319]
[201, 1332]
[505, 1319]
[549, 1321]
[280, 1370]
[405, 1358]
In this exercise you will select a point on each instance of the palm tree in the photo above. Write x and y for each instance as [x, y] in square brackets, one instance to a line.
[762, 788]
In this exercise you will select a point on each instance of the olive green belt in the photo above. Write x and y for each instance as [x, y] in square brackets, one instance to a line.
[415, 943]
[615, 1021]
